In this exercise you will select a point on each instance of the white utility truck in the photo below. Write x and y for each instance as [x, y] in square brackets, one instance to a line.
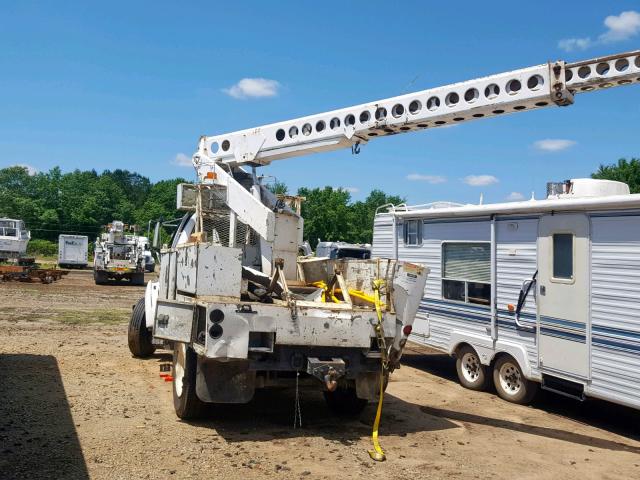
[73, 251]
[117, 258]
[240, 310]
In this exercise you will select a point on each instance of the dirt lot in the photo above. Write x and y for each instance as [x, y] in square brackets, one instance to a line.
[75, 404]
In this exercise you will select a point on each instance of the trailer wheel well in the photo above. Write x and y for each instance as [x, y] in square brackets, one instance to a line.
[501, 354]
[460, 345]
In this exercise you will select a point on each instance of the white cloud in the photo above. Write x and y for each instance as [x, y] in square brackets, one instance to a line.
[619, 28]
[351, 189]
[253, 88]
[30, 170]
[182, 160]
[515, 197]
[571, 44]
[553, 144]
[480, 180]
[433, 179]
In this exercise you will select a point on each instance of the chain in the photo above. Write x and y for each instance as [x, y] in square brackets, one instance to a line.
[297, 411]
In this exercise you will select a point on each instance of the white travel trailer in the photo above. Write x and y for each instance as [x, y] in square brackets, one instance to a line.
[14, 238]
[73, 251]
[538, 292]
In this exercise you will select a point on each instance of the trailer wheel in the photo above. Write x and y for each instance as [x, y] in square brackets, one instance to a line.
[511, 383]
[185, 400]
[344, 402]
[137, 278]
[100, 277]
[471, 373]
[139, 336]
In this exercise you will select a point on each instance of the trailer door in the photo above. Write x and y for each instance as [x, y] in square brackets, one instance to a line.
[563, 294]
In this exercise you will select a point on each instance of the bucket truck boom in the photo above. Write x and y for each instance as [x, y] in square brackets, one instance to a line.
[242, 312]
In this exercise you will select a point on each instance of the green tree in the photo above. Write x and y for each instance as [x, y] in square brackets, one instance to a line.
[160, 203]
[326, 214]
[278, 188]
[627, 171]
[364, 213]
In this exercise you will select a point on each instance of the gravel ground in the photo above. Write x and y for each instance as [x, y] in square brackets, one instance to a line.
[75, 404]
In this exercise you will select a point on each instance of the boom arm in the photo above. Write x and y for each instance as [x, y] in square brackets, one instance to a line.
[525, 89]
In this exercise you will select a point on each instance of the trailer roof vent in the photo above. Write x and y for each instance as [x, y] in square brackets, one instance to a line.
[586, 187]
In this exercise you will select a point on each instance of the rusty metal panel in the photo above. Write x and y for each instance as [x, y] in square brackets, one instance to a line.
[219, 271]
[187, 268]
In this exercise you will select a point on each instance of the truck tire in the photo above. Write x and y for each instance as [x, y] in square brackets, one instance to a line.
[471, 373]
[137, 278]
[100, 277]
[344, 401]
[139, 336]
[185, 400]
[511, 383]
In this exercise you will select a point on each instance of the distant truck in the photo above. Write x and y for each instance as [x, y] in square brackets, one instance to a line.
[116, 257]
[149, 261]
[335, 250]
[73, 251]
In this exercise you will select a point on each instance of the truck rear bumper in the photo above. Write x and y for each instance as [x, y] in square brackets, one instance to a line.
[243, 331]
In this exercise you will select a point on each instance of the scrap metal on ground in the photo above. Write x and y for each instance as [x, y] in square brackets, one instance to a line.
[21, 273]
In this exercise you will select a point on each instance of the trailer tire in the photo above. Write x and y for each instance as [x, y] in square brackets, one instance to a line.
[137, 278]
[471, 373]
[100, 277]
[511, 383]
[185, 400]
[139, 336]
[344, 402]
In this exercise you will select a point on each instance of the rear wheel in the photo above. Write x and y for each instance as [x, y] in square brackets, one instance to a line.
[471, 373]
[100, 277]
[511, 383]
[185, 400]
[139, 336]
[344, 401]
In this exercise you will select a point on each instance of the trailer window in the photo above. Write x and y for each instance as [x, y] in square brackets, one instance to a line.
[413, 232]
[563, 255]
[466, 272]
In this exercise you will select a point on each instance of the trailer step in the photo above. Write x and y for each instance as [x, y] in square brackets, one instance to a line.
[563, 387]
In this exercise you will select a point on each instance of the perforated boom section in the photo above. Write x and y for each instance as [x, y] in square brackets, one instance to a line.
[524, 89]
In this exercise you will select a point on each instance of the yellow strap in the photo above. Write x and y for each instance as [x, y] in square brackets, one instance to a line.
[377, 453]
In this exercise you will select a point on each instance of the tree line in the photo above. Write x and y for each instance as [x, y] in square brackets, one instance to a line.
[82, 202]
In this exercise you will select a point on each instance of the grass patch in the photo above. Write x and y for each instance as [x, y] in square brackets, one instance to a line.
[83, 317]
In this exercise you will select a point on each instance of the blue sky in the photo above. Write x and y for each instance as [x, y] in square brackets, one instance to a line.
[134, 84]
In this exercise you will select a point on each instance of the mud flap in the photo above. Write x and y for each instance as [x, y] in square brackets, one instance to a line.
[368, 385]
[225, 382]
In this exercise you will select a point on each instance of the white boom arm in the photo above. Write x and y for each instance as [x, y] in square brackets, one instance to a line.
[529, 88]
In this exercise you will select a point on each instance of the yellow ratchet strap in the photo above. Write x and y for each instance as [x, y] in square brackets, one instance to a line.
[377, 453]
[326, 294]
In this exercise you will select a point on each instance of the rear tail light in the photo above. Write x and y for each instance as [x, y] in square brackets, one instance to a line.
[407, 329]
